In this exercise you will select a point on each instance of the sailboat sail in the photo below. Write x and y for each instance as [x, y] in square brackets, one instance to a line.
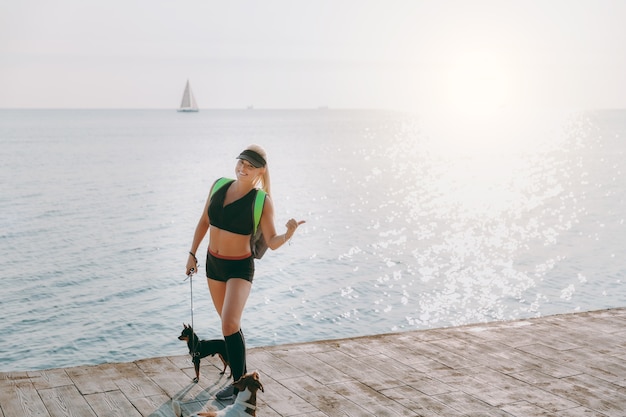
[188, 103]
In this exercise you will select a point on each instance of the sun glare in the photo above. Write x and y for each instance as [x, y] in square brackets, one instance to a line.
[478, 112]
[477, 83]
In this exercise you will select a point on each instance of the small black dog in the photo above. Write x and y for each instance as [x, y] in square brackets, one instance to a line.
[199, 349]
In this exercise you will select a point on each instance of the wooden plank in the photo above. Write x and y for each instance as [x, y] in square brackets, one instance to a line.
[191, 407]
[473, 347]
[92, 379]
[272, 365]
[13, 377]
[469, 405]
[360, 369]
[372, 401]
[512, 334]
[400, 371]
[50, 378]
[280, 400]
[428, 385]
[411, 351]
[426, 365]
[112, 404]
[22, 399]
[593, 362]
[590, 392]
[469, 383]
[65, 401]
[456, 360]
[518, 390]
[577, 412]
[421, 404]
[134, 383]
[553, 368]
[312, 347]
[526, 409]
[153, 406]
[168, 377]
[358, 348]
[313, 367]
[322, 398]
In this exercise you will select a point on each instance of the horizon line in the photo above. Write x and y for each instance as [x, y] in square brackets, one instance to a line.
[320, 108]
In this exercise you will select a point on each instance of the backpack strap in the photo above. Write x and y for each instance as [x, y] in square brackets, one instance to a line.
[219, 184]
[259, 201]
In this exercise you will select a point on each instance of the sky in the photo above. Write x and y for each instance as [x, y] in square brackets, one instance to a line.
[385, 54]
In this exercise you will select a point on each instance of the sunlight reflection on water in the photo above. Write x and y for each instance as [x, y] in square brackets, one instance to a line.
[466, 234]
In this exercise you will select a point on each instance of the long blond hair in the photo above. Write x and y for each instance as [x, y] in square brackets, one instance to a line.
[264, 180]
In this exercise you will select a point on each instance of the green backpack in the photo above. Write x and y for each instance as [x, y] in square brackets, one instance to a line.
[257, 242]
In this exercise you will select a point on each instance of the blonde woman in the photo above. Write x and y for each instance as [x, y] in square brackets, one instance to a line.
[228, 218]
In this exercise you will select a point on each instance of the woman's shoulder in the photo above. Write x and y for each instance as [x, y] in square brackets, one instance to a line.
[219, 183]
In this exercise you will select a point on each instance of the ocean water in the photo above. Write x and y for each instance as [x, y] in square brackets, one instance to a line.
[412, 222]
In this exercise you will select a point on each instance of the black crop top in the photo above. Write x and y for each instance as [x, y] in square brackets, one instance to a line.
[236, 217]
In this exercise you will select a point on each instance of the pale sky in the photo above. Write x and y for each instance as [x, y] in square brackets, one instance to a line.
[384, 54]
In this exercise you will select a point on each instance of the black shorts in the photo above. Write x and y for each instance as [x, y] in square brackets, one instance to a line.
[222, 269]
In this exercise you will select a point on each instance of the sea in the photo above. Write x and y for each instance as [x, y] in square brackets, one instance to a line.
[413, 221]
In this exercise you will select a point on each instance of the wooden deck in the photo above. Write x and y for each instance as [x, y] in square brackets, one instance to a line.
[567, 365]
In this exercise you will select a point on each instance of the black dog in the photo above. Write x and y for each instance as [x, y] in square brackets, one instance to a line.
[199, 349]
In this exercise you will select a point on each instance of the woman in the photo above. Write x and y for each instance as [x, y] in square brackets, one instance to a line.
[228, 217]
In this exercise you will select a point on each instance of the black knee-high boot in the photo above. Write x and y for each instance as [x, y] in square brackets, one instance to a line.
[245, 364]
[236, 348]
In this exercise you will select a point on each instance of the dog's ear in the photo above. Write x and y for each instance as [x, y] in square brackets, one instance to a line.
[257, 380]
[184, 325]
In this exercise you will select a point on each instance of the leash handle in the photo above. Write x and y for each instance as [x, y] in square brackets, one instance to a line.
[191, 272]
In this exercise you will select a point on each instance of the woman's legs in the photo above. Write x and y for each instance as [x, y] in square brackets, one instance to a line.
[230, 299]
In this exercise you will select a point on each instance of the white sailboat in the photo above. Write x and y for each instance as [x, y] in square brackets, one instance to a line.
[189, 101]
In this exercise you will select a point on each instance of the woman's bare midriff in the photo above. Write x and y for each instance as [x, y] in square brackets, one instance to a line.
[226, 243]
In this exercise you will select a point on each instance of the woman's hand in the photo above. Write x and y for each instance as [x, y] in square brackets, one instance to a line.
[192, 264]
[292, 225]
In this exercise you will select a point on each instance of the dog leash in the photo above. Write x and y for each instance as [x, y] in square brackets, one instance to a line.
[193, 343]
